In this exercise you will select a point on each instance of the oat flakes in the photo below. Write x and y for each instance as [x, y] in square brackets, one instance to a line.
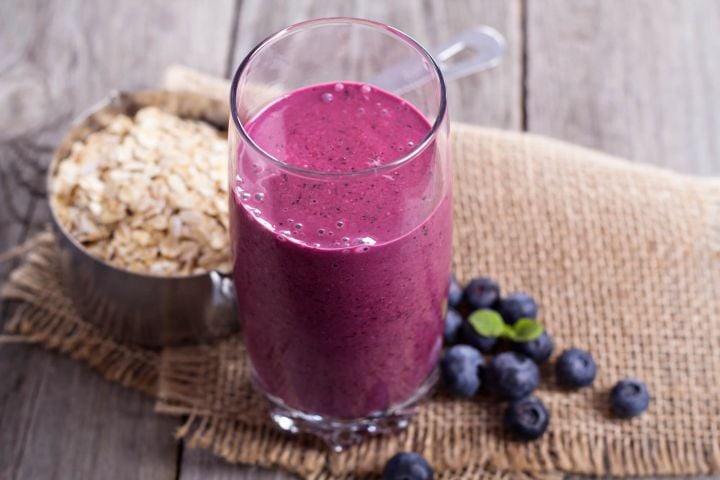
[148, 194]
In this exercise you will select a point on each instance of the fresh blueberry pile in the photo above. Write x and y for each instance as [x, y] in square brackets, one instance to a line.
[480, 321]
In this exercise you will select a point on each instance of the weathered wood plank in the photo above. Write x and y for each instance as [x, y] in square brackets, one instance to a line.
[638, 79]
[16, 197]
[489, 98]
[202, 465]
[57, 418]
[60, 420]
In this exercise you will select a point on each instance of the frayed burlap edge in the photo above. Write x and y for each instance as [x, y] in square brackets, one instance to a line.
[239, 442]
[566, 453]
[42, 314]
[253, 437]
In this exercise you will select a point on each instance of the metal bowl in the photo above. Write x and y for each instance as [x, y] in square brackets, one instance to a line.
[146, 310]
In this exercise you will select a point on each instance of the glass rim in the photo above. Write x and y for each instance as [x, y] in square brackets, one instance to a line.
[416, 151]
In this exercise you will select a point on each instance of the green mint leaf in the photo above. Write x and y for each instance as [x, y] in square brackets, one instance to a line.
[526, 329]
[488, 323]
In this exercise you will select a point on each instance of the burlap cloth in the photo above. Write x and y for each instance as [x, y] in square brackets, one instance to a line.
[625, 262]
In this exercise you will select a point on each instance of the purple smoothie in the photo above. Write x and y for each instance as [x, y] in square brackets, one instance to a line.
[341, 280]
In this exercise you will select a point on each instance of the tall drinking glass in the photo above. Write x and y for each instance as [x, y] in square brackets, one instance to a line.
[341, 224]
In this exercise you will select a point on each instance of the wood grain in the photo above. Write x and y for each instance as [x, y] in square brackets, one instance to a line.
[638, 79]
[490, 98]
[57, 418]
[202, 465]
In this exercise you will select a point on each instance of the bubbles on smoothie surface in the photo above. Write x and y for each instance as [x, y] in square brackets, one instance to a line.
[374, 162]
[361, 244]
[338, 128]
[364, 241]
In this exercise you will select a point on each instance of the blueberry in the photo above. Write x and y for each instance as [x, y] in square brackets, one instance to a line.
[629, 398]
[460, 370]
[482, 292]
[516, 306]
[470, 336]
[453, 322]
[511, 376]
[455, 293]
[407, 466]
[575, 368]
[526, 419]
[538, 350]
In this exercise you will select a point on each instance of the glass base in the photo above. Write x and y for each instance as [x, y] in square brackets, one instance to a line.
[341, 433]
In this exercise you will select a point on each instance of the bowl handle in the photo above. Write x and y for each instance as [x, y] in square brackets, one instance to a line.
[223, 289]
[222, 314]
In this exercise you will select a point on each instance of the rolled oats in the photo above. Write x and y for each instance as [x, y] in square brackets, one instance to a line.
[148, 194]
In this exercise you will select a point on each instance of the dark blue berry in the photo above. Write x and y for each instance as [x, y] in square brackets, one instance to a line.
[511, 376]
[460, 370]
[575, 368]
[407, 466]
[629, 398]
[455, 293]
[516, 306]
[453, 323]
[538, 350]
[470, 336]
[526, 419]
[481, 293]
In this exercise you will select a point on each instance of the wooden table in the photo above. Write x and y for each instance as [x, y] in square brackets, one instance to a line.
[637, 78]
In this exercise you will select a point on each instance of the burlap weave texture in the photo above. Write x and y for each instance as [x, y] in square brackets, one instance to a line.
[624, 260]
